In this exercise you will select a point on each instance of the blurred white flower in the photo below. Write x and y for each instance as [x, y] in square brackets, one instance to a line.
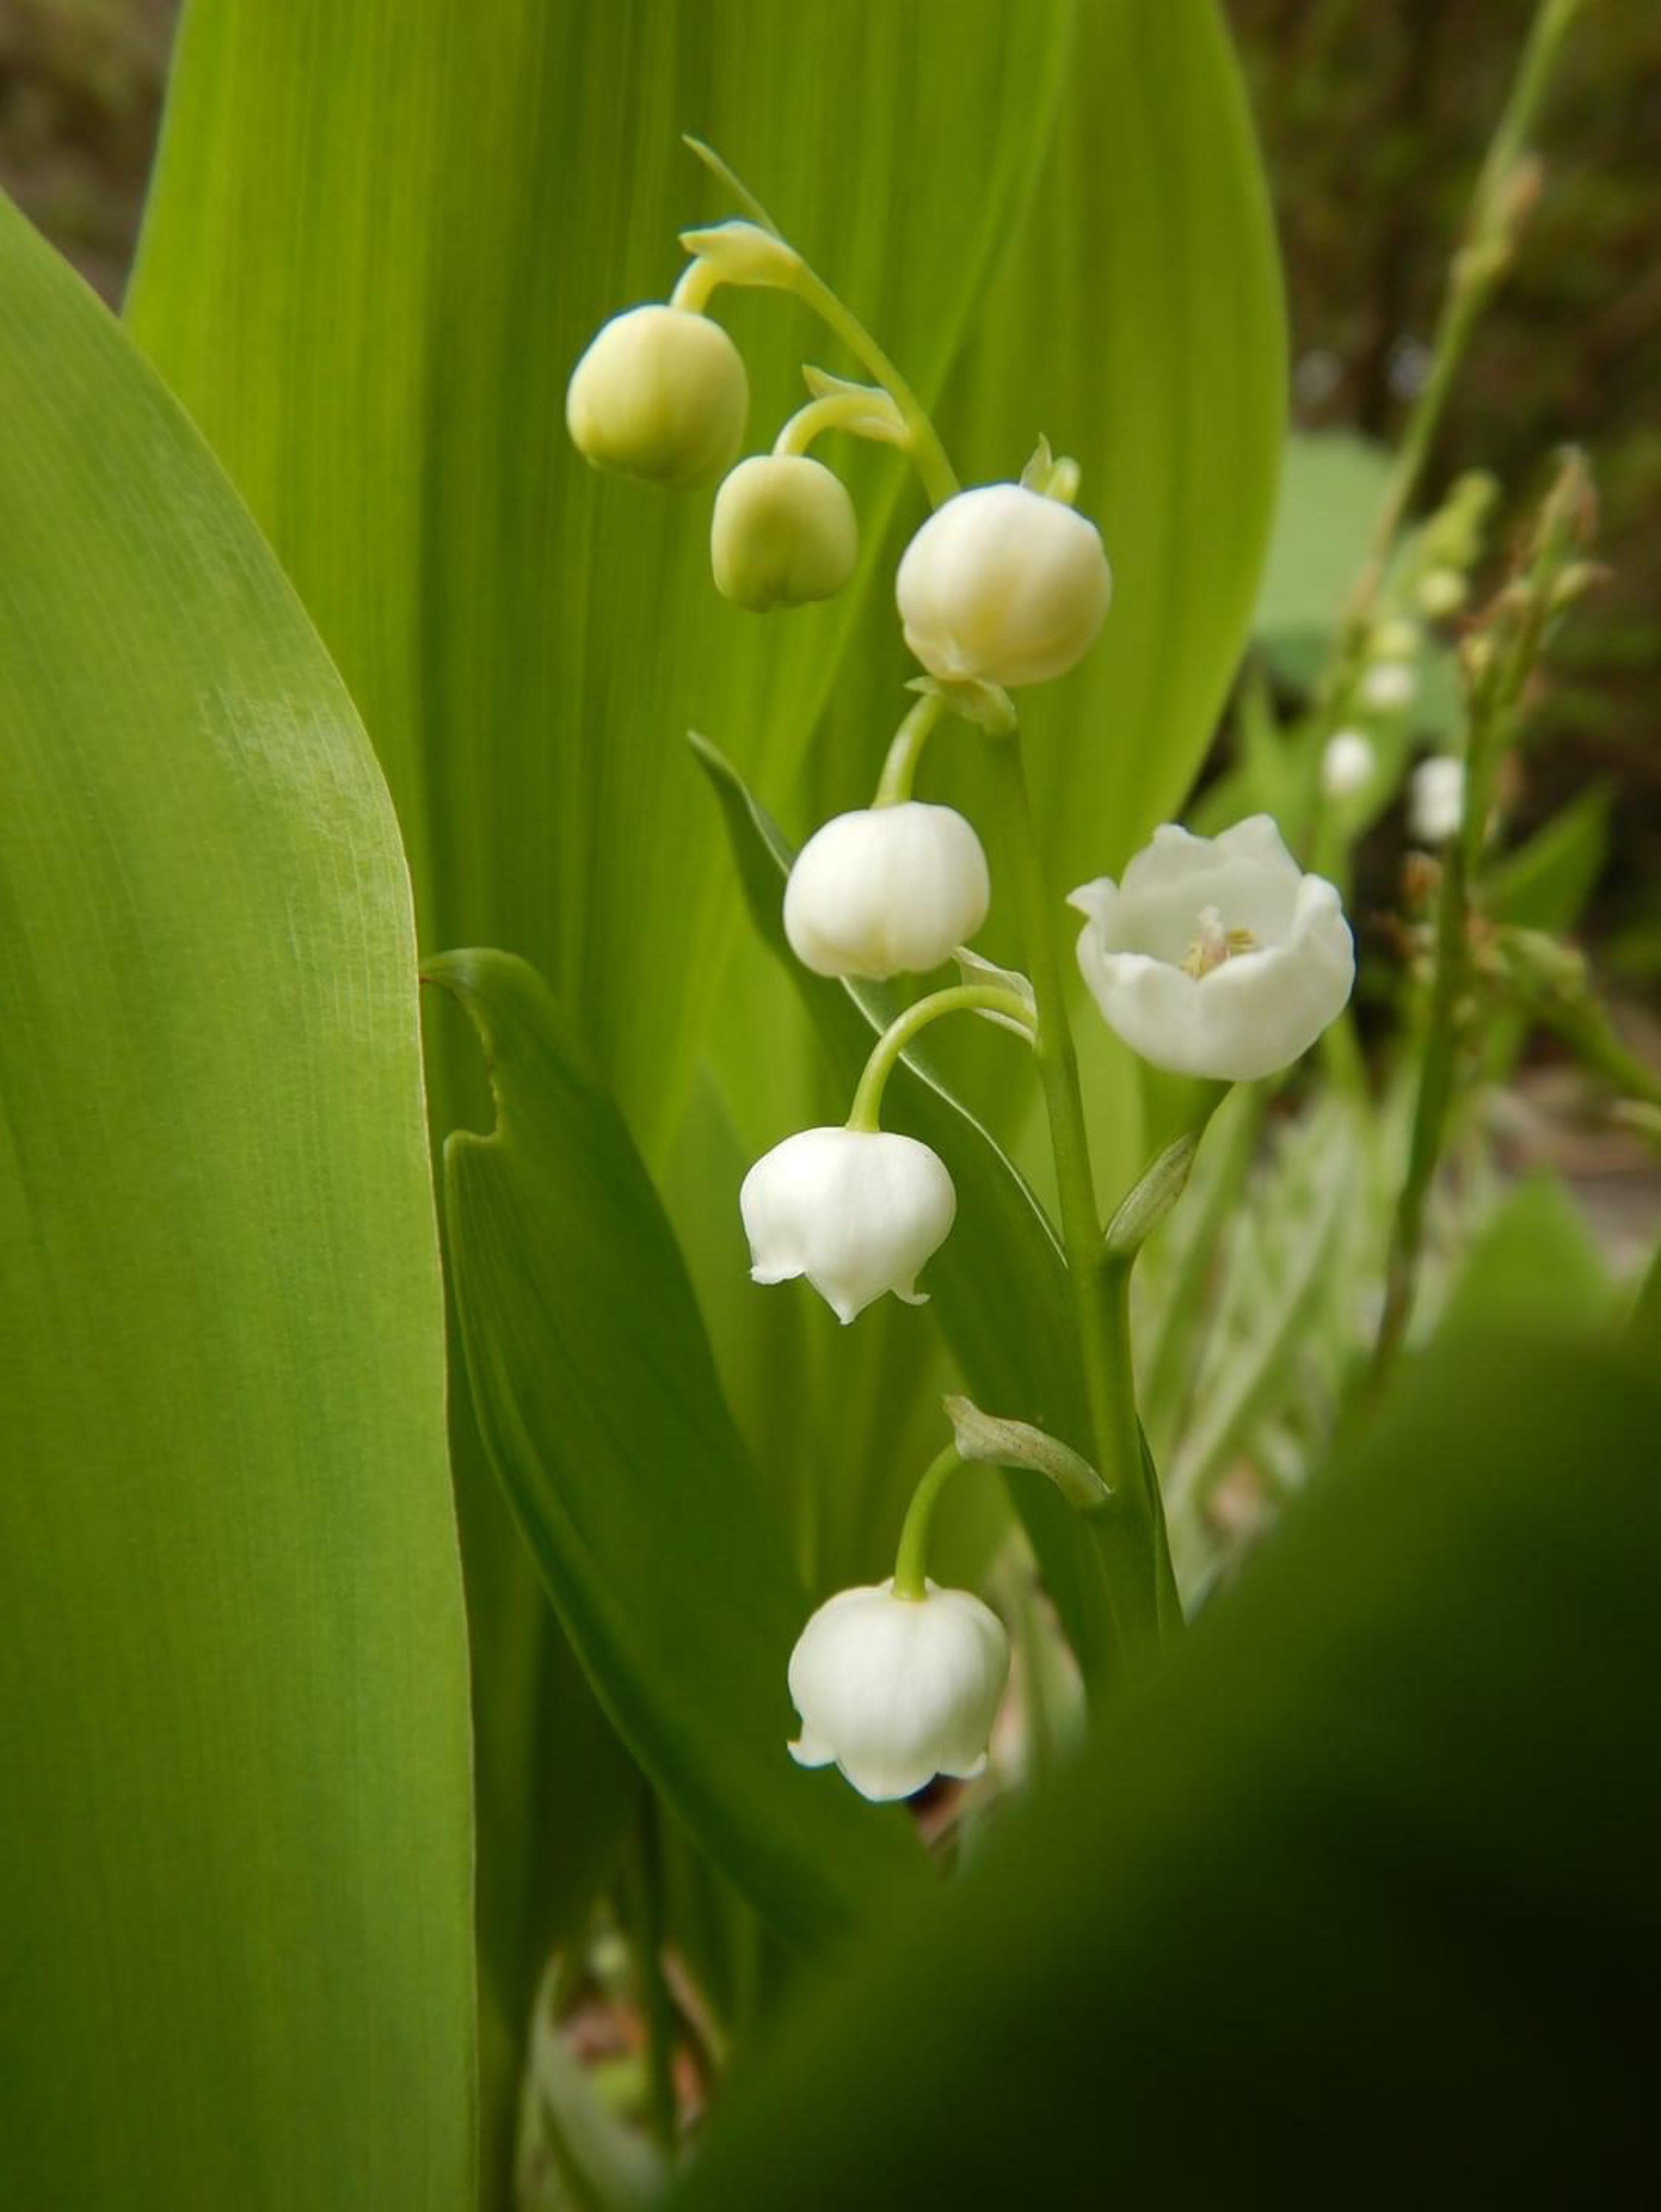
[1436, 799]
[886, 891]
[1346, 765]
[897, 1690]
[856, 1210]
[783, 533]
[1002, 585]
[661, 393]
[1389, 685]
[1216, 957]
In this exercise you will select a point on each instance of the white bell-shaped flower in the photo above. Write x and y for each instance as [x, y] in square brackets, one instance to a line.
[1002, 585]
[783, 533]
[1390, 685]
[1436, 799]
[661, 393]
[886, 891]
[1216, 957]
[897, 1690]
[856, 1210]
[1347, 764]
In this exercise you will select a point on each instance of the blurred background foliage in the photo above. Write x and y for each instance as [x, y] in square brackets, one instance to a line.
[1373, 120]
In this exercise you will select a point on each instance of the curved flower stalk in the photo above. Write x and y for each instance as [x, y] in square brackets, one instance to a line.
[859, 1210]
[901, 1681]
[1216, 957]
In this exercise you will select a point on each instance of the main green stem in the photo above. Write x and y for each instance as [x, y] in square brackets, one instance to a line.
[1136, 1555]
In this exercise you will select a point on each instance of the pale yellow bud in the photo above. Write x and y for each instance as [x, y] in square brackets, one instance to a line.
[784, 533]
[661, 394]
[1442, 592]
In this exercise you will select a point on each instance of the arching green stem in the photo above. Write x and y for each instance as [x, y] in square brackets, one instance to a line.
[694, 288]
[851, 412]
[912, 1560]
[983, 997]
[901, 765]
[922, 441]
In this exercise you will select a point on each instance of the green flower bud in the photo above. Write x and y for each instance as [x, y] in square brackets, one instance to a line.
[661, 394]
[784, 533]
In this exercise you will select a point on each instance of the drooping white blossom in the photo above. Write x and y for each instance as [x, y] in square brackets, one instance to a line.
[1436, 799]
[886, 891]
[661, 393]
[897, 1690]
[1347, 763]
[1216, 957]
[783, 533]
[1002, 585]
[858, 1212]
[1390, 685]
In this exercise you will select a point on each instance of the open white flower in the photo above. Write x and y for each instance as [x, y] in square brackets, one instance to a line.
[661, 393]
[886, 891]
[897, 1690]
[1002, 585]
[1436, 799]
[856, 1210]
[1216, 957]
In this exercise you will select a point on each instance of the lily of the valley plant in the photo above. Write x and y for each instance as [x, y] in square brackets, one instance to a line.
[1215, 958]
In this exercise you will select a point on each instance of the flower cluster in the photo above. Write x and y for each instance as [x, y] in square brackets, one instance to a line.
[1215, 959]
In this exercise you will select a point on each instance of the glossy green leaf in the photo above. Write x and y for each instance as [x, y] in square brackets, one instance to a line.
[236, 1851]
[597, 1400]
[1363, 1876]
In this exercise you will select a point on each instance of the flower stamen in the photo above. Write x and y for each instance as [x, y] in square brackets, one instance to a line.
[1215, 945]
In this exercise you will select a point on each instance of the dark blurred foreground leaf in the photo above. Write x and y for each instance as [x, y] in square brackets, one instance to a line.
[599, 1407]
[1359, 1902]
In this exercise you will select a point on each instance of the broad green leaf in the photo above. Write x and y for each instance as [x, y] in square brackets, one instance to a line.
[1544, 882]
[1379, 1841]
[999, 1284]
[599, 1404]
[1535, 1264]
[237, 1852]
